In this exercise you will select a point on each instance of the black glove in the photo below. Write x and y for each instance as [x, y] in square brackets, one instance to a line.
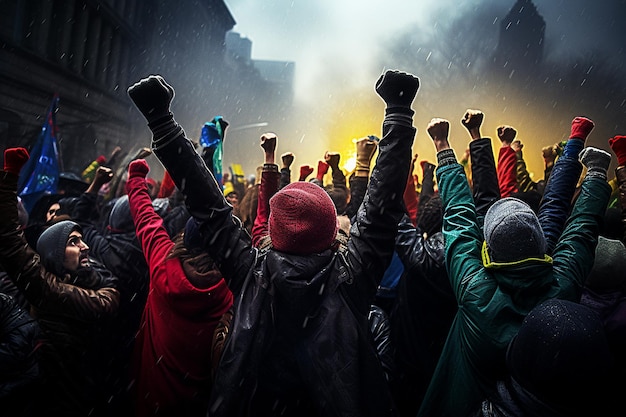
[152, 96]
[397, 89]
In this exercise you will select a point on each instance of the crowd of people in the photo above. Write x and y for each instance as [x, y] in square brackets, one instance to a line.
[469, 290]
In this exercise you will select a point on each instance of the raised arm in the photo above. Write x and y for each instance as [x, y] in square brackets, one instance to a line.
[485, 187]
[462, 234]
[507, 175]
[557, 198]
[270, 178]
[372, 235]
[285, 170]
[618, 145]
[225, 238]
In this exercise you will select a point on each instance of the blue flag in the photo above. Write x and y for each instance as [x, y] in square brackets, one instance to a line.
[40, 175]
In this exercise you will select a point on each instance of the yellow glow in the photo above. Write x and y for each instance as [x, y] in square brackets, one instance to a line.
[349, 164]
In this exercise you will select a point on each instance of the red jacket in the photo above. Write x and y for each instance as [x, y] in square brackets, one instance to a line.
[172, 363]
[507, 174]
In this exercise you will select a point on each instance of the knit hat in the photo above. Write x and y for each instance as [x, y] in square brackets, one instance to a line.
[303, 219]
[51, 245]
[120, 219]
[608, 271]
[561, 354]
[512, 232]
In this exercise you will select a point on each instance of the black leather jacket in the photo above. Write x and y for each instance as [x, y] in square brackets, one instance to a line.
[300, 339]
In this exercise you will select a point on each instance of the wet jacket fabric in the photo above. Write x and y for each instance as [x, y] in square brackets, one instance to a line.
[172, 362]
[70, 317]
[556, 202]
[300, 339]
[19, 363]
[422, 314]
[120, 252]
[494, 301]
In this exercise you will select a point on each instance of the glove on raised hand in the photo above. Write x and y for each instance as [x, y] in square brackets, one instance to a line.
[365, 148]
[581, 127]
[596, 160]
[322, 169]
[618, 145]
[397, 89]
[153, 97]
[14, 159]
[138, 168]
[305, 171]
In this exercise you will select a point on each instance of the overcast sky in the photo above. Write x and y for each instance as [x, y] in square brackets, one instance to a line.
[318, 33]
[336, 46]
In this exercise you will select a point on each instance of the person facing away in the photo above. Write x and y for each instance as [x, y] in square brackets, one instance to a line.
[299, 342]
[186, 299]
[498, 274]
[558, 365]
[71, 302]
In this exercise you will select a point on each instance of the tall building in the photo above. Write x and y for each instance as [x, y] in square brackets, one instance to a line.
[521, 40]
[89, 52]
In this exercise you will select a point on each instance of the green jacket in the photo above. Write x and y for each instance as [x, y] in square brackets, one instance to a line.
[494, 301]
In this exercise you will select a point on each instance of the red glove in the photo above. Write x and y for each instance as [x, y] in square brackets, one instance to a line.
[322, 169]
[305, 171]
[14, 159]
[138, 168]
[618, 145]
[581, 127]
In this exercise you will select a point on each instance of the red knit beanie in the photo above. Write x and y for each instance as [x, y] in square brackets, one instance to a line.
[303, 219]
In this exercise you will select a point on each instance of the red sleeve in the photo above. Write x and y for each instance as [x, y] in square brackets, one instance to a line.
[270, 181]
[410, 199]
[155, 242]
[507, 175]
[167, 186]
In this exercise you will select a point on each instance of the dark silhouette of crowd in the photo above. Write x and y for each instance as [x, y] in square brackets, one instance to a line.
[468, 288]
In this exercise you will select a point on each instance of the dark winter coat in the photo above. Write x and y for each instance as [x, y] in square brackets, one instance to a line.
[422, 315]
[70, 317]
[300, 339]
[19, 364]
[493, 302]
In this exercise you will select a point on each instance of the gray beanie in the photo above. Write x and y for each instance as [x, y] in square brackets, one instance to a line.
[120, 219]
[512, 231]
[51, 245]
[608, 271]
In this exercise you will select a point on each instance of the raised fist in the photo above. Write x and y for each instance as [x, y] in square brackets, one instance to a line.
[438, 129]
[138, 168]
[305, 171]
[268, 142]
[103, 175]
[332, 159]
[472, 119]
[14, 159]
[506, 134]
[287, 159]
[322, 169]
[152, 96]
[596, 160]
[397, 89]
[581, 127]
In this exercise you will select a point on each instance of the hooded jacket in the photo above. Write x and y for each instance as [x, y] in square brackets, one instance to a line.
[299, 339]
[70, 316]
[494, 301]
[172, 362]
